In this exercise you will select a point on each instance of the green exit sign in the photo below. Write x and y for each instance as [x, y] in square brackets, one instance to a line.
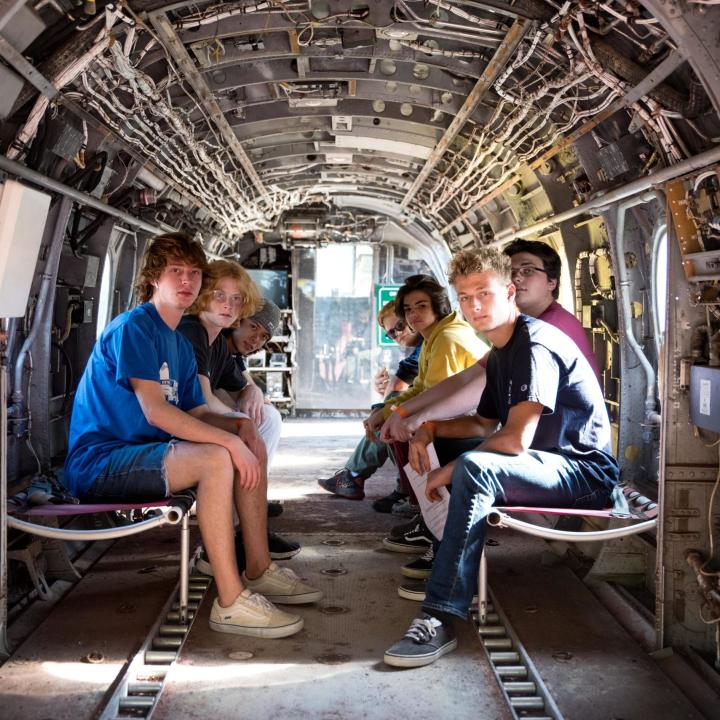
[384, 294]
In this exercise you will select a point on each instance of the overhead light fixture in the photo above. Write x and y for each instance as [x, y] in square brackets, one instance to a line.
[396, 147]
[312, 102]
[338, 158]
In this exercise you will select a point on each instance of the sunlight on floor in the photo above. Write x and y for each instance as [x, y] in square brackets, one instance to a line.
[255, 674]
[293, 428]
[99, 674]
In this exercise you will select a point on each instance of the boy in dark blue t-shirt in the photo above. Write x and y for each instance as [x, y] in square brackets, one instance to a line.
[546, 443]
[141, 430]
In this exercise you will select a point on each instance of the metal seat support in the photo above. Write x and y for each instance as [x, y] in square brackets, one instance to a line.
[499, 517]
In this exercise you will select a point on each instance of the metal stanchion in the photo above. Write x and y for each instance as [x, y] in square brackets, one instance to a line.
[4, 649]
[184, 566]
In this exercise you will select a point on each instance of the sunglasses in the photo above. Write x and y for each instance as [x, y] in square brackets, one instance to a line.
[395, 330]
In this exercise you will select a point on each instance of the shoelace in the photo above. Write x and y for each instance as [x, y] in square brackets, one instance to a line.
[428, 555]
[287, 573]
[422, 629]
[418, 531]
[260, 601]
[346, 482]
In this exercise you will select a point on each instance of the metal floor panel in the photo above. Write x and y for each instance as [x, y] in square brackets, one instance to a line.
[592, 667]
[333, 669]
[109, 613]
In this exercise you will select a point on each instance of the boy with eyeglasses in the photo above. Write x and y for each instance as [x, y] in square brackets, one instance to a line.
[536, 274]
[231, 294]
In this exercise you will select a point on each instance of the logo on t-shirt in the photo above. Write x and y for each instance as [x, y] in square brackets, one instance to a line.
[169, 386]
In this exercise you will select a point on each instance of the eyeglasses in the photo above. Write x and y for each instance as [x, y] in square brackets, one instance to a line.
[526, 271]
[234, 300]
[395, 330]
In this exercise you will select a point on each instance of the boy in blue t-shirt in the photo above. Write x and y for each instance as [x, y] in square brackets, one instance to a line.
[141, 430]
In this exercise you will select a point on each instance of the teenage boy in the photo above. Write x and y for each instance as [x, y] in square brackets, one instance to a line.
[250, 335]
[141, 430]
[229, 294]
[546, 443]
[370, 455]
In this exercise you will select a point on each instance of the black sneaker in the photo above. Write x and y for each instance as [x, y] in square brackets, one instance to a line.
[412, 590]
[343, 484]
[400, 530]
[415, 590]
[275, 508]
[384, 504]
[281, 549]
[420, 568]
[426, 640]
[404, 508]
[417, 540]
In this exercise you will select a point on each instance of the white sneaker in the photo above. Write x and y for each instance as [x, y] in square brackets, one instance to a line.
[255, 616]
[282, 585]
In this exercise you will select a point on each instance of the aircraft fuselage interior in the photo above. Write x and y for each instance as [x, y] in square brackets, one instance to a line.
[334, 148]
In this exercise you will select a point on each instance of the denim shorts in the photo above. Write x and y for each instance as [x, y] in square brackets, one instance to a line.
[134, 473]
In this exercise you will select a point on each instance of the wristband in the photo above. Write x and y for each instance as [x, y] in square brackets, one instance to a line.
[400, 410]
[431, 426]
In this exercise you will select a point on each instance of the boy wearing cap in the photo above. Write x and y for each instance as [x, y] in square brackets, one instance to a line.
[247, 337]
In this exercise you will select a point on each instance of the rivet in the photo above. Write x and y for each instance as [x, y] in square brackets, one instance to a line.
[334, 609]
[240, 655]
[93, 658]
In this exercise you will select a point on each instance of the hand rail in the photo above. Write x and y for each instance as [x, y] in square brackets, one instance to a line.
[497, 518]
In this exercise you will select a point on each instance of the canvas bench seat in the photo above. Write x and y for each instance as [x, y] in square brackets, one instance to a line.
[641, 513]
[174, 510]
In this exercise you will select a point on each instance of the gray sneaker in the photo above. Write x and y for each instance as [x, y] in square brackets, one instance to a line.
[254, 616]
[343, 484]
[426, 640]
[283, 586]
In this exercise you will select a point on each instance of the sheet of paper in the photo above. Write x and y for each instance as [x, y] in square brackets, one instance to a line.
[434, 513]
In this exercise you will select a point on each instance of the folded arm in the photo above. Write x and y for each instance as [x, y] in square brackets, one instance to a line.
[456, 395]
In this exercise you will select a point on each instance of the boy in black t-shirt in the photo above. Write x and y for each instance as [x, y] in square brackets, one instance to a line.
[229, 294]
[546, 443]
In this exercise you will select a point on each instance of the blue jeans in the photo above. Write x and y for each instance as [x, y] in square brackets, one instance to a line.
[481, 480]
[368, 457]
